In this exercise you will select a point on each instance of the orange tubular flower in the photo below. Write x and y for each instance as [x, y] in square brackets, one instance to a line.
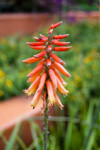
[31, 60]
[48, 62]
[40, 54]
[34, 71]
[35, 43]
[62, 48]
[51, 97]
[59, 77]
[61, 89]
[56, 42]
[55, 25]
[39, 90]
[53, 77]
[61, 69]
[56, 58]
[38, 47]
[57, 99]
[60, 36]
[33, 86]
[31, 79]
[45, 77]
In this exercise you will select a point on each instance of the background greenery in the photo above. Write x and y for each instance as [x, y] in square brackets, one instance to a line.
[82, 61]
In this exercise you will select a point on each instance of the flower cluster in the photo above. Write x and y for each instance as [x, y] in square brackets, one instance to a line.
[45, 78]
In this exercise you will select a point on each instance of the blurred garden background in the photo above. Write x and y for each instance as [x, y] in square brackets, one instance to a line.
[77, 126]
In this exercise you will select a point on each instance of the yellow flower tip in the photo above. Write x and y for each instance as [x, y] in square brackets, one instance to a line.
[64, 84]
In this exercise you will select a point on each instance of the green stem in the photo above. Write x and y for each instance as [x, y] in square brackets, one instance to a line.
[45, 127]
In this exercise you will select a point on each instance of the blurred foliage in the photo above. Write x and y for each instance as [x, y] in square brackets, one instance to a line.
[82, 61]
[47, 5]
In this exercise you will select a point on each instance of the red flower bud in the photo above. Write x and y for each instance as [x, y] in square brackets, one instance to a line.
[62, 69]
[38, 47]
[56, 42]
[35, 70]
[41, 54]
[60, 36]
[62, 48]
[56, 58]
[35, 43]
[31, 60]
[55, 25]
[48, 62]
[44, 38]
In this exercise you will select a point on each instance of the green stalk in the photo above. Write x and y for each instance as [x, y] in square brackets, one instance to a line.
[45, 126]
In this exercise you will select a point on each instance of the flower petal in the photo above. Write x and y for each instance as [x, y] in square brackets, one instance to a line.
[35, 70]
[33, 86]
[53, 77]
[38, 47]
[61, 89]
[44, 38]
[55, 25]
[62, 48]
[56, 58]
[60, 36]
[51, 97]
[61, 69]
[31, 79]
[41, 54]
[56, 42]
[59, 77]
[31, 60]
[48, 62]
[39, 90]
[35, 43]
[58, 101]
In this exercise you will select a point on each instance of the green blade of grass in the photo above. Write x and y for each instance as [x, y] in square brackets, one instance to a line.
[12, 140]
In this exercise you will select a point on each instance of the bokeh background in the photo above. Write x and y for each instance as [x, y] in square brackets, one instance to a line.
[77, 126]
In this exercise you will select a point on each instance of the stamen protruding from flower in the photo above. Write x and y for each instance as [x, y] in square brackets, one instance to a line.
[61, 69]
[56, 58]
[51, 97]
[60, 36]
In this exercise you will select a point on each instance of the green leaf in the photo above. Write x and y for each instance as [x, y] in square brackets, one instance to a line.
[12, 140]
[91, 140]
